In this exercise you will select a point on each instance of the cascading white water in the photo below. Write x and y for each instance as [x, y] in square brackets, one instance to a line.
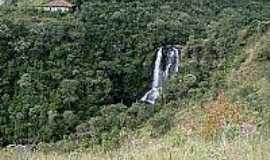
[156, 82]
[166, 64]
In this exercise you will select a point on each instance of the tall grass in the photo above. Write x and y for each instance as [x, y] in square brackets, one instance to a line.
[244, 148]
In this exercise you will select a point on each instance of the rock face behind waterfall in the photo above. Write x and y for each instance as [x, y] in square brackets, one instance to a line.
[166, 65]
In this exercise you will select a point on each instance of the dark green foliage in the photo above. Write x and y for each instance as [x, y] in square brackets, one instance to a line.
[80, 74]
[161, 123]
[106, 125]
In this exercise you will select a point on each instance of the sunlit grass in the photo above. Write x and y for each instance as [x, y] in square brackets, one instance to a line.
[172, 147]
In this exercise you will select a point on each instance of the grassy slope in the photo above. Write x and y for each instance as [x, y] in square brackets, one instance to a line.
[250, 83]
[241, 149]
[183, 142]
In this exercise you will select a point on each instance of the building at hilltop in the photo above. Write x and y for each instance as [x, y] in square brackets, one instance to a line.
[59, 5]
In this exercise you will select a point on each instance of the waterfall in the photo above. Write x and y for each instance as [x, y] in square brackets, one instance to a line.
[166, 64]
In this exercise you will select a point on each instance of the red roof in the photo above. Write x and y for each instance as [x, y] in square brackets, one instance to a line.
[59, 3]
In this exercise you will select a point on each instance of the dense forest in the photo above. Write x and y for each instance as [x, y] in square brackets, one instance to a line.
[81, 74]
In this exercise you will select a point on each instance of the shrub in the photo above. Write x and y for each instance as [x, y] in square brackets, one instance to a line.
[264, 53]
[136, 115]
[161, 123]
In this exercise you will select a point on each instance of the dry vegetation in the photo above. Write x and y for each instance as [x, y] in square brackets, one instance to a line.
[173, 147]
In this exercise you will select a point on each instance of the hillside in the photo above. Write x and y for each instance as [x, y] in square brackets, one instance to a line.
[184, 138]
[72, 82]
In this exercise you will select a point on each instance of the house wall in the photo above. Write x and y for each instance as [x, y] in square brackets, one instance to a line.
[2, 2]
[54, 9]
